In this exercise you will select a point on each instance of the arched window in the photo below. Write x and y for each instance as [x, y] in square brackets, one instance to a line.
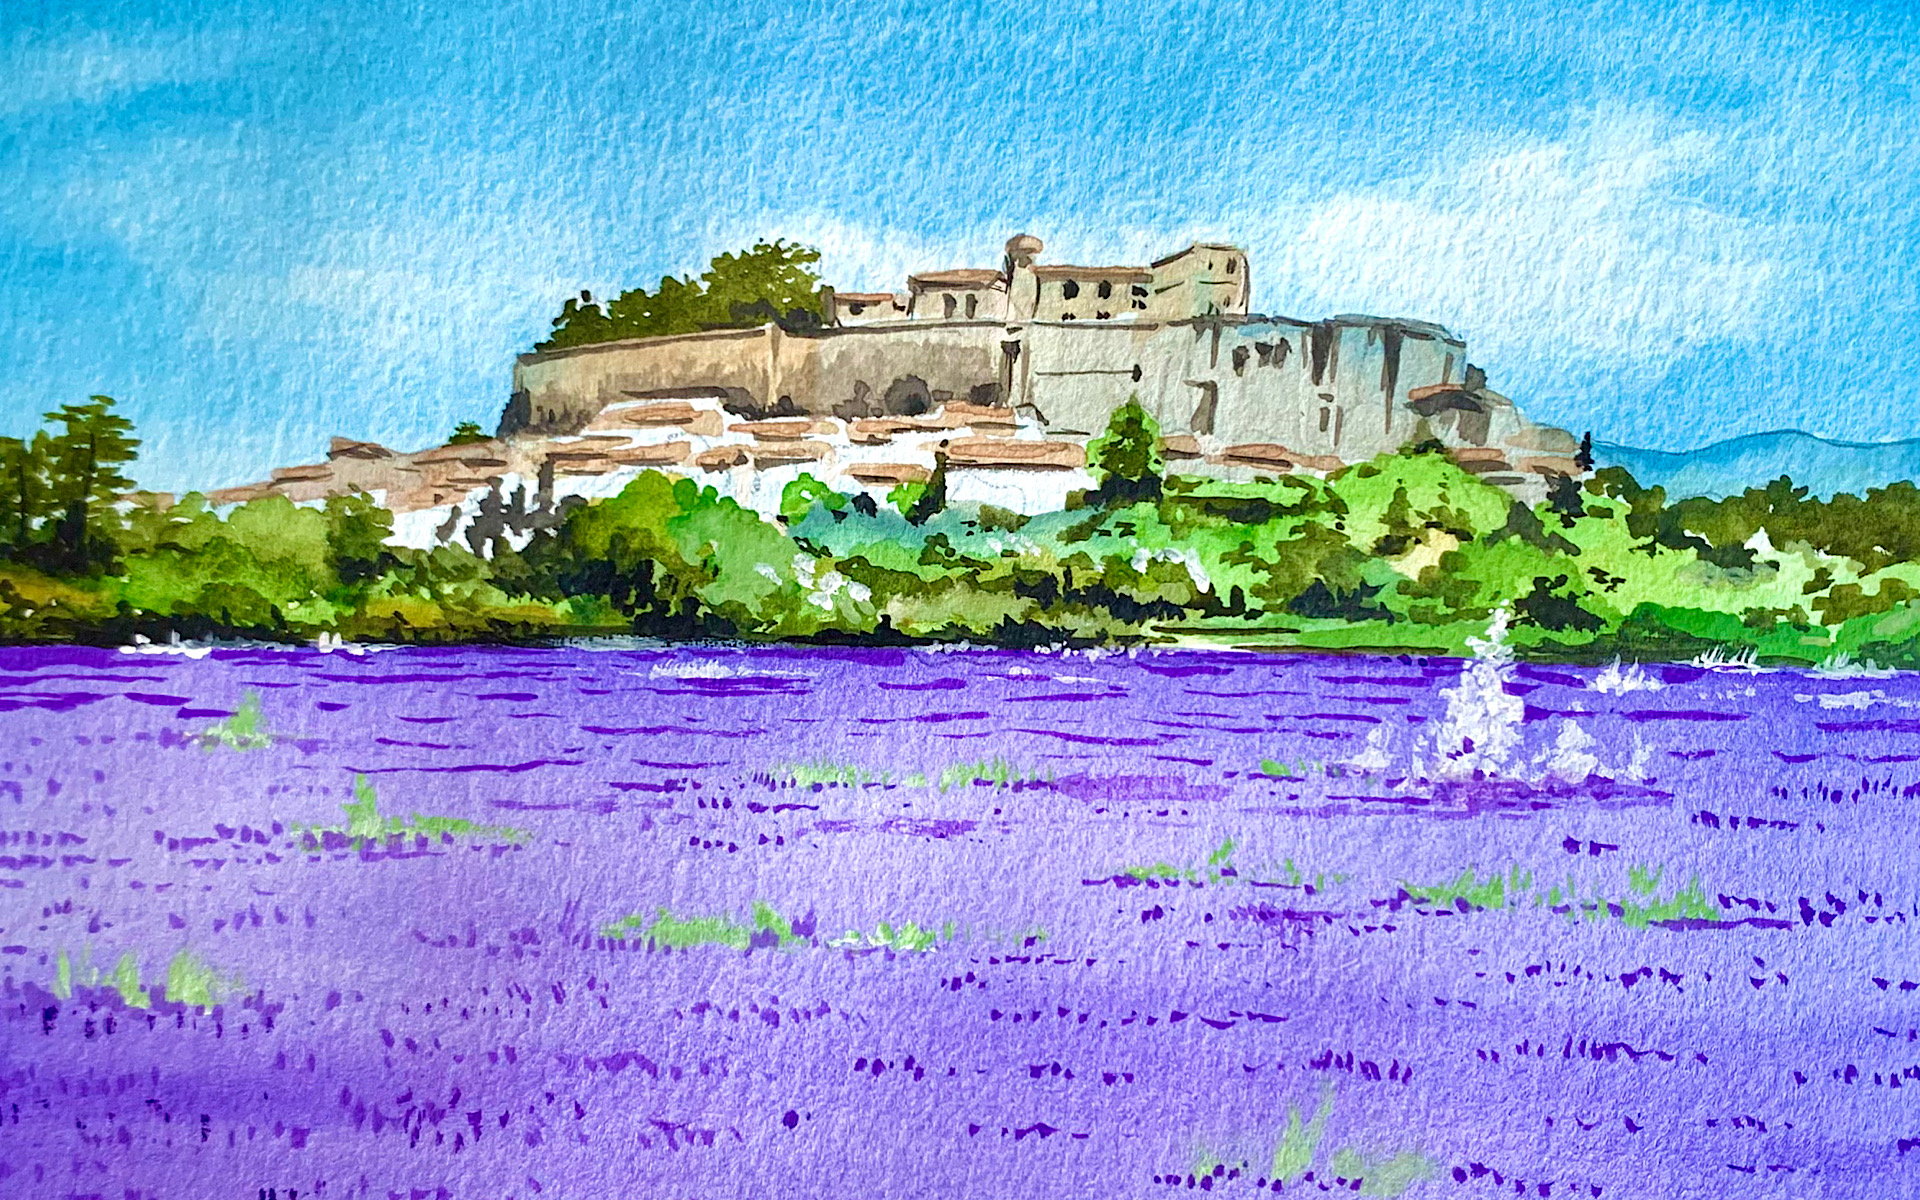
[1070, 289]
[1106, 290]
[948, 304]
[973, 305]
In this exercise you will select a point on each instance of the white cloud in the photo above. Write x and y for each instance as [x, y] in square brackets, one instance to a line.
[91, 68]
[1560, 259]
[1596, 251]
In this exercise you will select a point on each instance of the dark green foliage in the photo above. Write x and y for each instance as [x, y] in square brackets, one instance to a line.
[1357, 604]
[25, 499]
[773, 281]
[1525, 524]
[59, 490]
[1850, 600]
[466, 433]
[1583, 457]
[1127, 460]
[1315, 557]
[1877, 530]
[1563, 497]
[1554, 604]
[1407, 542]
[932, 498]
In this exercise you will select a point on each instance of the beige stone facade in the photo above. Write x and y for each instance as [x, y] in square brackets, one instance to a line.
[1006, 371]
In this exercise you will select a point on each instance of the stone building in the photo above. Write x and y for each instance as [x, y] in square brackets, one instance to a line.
[1006, 372]
[1063, 346]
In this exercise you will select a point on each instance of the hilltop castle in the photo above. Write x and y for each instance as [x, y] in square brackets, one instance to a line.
[1006, 371]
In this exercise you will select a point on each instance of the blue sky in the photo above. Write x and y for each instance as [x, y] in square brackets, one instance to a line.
[259, 225]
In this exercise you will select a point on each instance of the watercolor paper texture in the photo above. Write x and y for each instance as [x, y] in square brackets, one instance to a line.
[1103, 600]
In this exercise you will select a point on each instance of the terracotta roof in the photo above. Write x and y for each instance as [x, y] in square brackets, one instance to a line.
[1195, 248]
[1062, 271]
[967, 277]
[865, 297]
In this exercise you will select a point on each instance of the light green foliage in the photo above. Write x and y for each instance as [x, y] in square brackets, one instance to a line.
[993, 772]
[1639, 907]
[1396, 500]
[907, 937]
[681, 559]
[1407, 552]
[996, 772]
[1219, 861]
[1349, 1168]
[1389, 1176]
[363, 815]
[243, 730]
[907, 496]
[190, 981]
[1293, 1157]
[799, 498]
[367, 826]
[126, 981]
[821, 772]
[1642, 905]
[675, 933]
[1495, 891]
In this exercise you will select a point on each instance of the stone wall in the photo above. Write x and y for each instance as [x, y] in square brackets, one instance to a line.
[1009, 407]
[1334, 389]
[757, 372]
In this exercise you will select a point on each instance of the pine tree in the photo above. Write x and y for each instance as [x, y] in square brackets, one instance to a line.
[84, 481]
[23, 491]
[1584, 457]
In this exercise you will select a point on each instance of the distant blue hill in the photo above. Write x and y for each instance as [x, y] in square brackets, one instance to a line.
[1730, 467]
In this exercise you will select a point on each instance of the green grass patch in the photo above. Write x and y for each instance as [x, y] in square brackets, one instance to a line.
[1299, 1152]
[821, 772]
[244, 730]
[1496, 891]
[885, 936]
[1219, 865]
[993, 772]
[367, 826]
[684, 933]
[189, 981]
[1640, 906]
[1275, 768]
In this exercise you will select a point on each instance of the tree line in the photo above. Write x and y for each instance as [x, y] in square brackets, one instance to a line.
[1405, 552]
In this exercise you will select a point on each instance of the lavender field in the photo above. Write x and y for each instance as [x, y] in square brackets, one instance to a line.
[719, 922]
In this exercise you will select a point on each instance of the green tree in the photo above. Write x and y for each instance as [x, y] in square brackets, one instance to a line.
[84, 481]
[466, 433]
[23, 490]
[798, 499]
[772, 281]
[357, 530]
[1126, 460]
[932, 499]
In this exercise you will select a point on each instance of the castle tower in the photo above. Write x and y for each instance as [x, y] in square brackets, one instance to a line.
[1023, 286]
